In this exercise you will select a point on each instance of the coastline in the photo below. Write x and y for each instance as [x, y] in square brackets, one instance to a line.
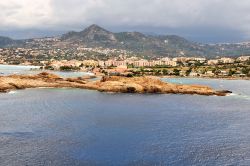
[37, 68]
[22, 65]
[115, 84]
[216, 78]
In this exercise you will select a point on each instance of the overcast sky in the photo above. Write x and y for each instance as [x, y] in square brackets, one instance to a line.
[199, 20]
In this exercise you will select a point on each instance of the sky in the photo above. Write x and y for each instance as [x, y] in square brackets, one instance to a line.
[197, 20]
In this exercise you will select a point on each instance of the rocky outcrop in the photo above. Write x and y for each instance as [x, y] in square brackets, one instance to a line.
[152, 85]
[44, 79]
[106, 84]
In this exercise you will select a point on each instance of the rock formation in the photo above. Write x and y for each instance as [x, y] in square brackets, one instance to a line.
[106, 84]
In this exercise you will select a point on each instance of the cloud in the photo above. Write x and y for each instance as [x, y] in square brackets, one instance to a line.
[231, 15]
[24, 13]
[167, 13]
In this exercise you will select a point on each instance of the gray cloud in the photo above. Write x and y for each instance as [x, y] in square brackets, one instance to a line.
[186, 16]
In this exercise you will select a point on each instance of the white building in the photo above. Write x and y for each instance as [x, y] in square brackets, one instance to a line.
[243, 58]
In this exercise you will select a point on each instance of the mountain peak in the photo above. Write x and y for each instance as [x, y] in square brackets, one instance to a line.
[95, 28]
[93, 33]
[96, 36]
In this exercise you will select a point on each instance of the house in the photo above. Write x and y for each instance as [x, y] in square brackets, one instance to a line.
[224, 73]
[226, 60]
[213, 62]
[209, 73]
[193, 74]
[243, 58]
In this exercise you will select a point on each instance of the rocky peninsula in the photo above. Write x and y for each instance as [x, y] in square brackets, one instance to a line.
[106, 84]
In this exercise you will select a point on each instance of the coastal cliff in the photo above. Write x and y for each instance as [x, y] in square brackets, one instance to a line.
[106, 84]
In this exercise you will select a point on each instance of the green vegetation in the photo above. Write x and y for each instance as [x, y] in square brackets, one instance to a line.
[246, 70]
[49, 68]
[225, 70]
[188, 71]
[165, 72]
[69, 68]
[231, 72]
[176, 72]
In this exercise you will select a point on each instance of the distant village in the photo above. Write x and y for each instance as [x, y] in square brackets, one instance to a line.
[122, 62]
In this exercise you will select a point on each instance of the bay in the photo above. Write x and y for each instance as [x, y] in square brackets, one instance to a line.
[82, 127]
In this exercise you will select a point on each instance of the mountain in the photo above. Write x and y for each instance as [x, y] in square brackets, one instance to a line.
[8, 42]
[94, 33]
[5, 41]
[171, 45]
[139, 43]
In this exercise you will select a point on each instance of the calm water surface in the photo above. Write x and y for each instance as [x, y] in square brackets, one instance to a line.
[80, 127]
[18, 69]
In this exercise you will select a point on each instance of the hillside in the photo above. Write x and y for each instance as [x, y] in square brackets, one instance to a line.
[5, 41]
[139, 43]
[8, 42]
[95, 36]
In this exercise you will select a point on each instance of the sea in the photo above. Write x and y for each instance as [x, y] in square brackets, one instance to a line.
[31, 70]
[73, 127]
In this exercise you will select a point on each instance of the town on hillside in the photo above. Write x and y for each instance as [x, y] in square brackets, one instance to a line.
[104, 61]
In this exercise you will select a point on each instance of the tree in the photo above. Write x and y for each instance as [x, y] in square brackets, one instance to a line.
[165, 72]
[81, 65]
[69, 68]
[130, 65]
[248, 62]
[216, 71]
[157, 72]
[142, 70]
[197, 63]
[231, 72]
[48, 68]
[176, 72]
[188, 71]
[245, 70]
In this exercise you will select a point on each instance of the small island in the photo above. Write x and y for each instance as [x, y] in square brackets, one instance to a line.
[117, 84]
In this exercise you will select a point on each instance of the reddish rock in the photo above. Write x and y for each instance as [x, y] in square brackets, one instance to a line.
[106, 84]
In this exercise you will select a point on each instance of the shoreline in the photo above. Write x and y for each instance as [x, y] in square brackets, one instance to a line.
[215, 78]
[115, 84]
[37, 68]
[19, 65]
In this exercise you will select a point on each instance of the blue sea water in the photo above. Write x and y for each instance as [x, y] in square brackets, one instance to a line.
[18, 69]
[81, 127]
